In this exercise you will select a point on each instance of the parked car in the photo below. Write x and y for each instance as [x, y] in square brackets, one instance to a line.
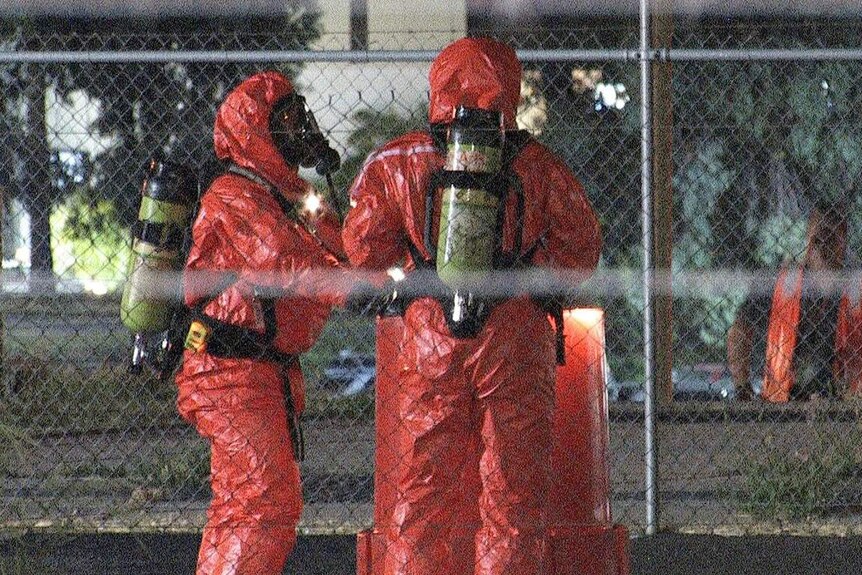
[700, 382]
[350, 373]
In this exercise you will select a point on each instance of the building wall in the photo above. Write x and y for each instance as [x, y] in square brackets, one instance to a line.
[335, 91]
[415, 25]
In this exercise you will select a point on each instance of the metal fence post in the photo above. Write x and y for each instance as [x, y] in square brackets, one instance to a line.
[646, 222]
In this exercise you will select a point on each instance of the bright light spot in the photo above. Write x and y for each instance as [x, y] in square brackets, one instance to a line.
[22, 255]
[827, 93]
[312, 203]
[96, 287]
[610, 96]
[397, 274]
[585, 316]
[607, 94]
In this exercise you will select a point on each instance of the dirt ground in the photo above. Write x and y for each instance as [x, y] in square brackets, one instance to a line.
[705, 452]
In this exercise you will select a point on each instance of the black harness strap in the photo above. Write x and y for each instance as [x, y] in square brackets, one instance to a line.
[501, 185]
[288, 207]
[233, 341]
[510, 181]
[435, 183]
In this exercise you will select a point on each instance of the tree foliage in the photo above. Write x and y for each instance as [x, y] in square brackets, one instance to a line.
[145, 109]
[756, 146]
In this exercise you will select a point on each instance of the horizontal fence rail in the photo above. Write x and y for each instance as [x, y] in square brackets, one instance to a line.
[370, 56]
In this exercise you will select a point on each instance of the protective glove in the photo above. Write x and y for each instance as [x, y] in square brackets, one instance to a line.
[394, 296]
[367, 300]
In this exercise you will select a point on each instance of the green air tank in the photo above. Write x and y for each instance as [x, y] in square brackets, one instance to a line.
[153, 287]
[468, 213]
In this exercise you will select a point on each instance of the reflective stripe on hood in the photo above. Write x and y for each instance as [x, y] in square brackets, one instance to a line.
[242, 134]
[477, 73]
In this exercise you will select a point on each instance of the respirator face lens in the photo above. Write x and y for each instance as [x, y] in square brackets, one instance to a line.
[288, 125]
[298, 138]
[288, 116]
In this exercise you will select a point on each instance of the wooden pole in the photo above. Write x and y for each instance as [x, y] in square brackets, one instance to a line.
[2, 222]
[661, 32]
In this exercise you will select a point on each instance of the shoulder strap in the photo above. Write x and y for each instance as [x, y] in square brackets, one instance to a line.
[288, 207]
[437, 132]
[435, 182]
[516, 141]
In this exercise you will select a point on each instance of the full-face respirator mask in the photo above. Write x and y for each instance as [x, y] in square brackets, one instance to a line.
[298, 138]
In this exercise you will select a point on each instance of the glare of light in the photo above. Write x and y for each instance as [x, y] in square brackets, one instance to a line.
[585, 316]
[96, 287]
[397, 274]
[607, 95]
[312, 203]
[22, 255]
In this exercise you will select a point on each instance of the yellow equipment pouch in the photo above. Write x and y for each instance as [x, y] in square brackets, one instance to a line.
[197, 337]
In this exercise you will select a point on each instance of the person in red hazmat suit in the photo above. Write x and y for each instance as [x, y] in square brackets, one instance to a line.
[813, 344]
[475, 401]
[253, 279]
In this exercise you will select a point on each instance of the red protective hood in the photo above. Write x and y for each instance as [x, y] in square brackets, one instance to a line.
[477, 73]
[242, 133]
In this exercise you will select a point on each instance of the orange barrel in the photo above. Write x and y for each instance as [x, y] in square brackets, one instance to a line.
[580, 452]
[371, 544]
[583, 540]
[387, 455]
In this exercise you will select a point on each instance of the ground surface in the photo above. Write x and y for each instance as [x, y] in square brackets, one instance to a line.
[664, 554]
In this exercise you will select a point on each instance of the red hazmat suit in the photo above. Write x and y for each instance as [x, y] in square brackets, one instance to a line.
[474, 410]
[239, 404]
[824, 253]
[782, 335]
[809, 329]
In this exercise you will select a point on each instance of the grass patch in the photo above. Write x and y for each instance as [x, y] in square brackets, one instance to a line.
[321, 405]
[43, 398]
[805, 483]
[183, 473]
[15, 448]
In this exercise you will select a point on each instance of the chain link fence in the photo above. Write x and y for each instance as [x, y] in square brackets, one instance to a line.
[757, 144]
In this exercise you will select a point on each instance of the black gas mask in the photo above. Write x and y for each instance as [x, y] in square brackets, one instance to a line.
[298, 138]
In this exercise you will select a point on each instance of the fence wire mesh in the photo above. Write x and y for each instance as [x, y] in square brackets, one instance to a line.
[757, 146]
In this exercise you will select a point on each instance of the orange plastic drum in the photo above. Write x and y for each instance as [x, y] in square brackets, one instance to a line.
[583, 539]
